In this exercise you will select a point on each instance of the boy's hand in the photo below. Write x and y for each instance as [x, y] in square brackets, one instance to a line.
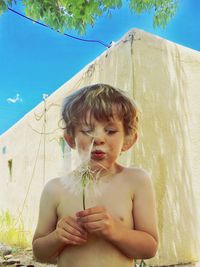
[97, 220]
[68, 231]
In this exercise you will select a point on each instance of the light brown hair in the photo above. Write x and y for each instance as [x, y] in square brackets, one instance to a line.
[99, 100]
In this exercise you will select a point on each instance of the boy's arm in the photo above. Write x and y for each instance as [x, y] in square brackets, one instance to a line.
[52, 236]
[142, 242]
[45, 243]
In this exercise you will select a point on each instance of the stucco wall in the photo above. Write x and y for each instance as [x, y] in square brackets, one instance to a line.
[167, 87]
[164, 79]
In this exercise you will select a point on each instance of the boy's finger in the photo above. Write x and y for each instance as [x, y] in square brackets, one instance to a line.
[93, 226]
[86, 212]
[72, 222]
[70, 237]
[92, 218]
[73, 231]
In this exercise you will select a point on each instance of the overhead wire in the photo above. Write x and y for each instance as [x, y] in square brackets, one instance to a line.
[68, 35]
[31, 179]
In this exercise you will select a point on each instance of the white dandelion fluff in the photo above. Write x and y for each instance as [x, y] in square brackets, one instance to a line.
[78, 177]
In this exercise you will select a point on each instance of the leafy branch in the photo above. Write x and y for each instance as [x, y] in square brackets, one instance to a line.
[76, 15]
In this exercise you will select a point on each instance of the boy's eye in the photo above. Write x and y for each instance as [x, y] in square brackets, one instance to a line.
[86, 131]
[111, 131]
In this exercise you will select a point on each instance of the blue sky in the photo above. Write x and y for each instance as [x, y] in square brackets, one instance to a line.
[36, 60]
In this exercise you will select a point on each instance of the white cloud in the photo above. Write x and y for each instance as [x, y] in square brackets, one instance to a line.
[14, 100]
[44, 96]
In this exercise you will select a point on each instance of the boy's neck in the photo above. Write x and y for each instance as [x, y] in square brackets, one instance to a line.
[103, 173]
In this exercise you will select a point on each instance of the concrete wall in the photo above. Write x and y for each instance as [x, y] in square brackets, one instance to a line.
[164, 79]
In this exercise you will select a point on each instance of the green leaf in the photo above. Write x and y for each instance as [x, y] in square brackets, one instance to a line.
[3, 7]
[69, 14]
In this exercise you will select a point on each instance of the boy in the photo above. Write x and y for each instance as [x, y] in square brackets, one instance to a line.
[121, 225]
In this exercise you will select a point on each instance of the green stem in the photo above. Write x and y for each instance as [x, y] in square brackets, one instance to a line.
[83, 197]
[86, 177]
[84, 183]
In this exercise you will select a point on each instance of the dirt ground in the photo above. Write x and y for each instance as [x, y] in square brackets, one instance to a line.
[25, 259]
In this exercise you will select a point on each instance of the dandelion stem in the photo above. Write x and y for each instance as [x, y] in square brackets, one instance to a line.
[85, 178]
[83, 198]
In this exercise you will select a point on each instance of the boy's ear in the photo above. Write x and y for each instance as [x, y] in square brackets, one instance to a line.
[129, 141]
[70, 140]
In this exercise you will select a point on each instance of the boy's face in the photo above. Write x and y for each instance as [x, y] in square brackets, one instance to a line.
[102, 141]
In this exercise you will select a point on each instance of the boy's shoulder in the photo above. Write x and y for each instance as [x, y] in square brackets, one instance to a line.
[53, 186]
[137, 176]
[137, 172]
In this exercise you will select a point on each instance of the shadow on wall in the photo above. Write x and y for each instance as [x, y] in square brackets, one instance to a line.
[162, 90]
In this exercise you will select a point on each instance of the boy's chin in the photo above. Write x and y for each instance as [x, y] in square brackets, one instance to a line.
[99, 167]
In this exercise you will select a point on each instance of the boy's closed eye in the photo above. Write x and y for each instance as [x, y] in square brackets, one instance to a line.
[108, 131]
[86, 130]
[111, 131]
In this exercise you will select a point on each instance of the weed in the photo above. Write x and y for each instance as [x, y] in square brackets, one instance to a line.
[12, 232]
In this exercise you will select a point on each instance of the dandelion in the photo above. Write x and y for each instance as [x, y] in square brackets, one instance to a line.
[78, 175]
[86, 178]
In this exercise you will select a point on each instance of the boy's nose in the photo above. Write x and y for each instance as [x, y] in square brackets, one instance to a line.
[98, 142]
[99, 139]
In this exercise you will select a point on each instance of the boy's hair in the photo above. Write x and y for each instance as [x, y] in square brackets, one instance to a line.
[99, 100]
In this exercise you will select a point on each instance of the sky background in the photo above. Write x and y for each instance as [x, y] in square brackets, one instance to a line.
[35, 60]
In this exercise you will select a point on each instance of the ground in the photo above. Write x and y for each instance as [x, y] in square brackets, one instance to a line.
[25, 257]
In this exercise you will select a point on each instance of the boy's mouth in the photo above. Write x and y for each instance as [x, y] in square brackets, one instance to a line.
[98, 154]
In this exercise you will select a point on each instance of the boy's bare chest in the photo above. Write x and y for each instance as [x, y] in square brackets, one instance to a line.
[116, 197]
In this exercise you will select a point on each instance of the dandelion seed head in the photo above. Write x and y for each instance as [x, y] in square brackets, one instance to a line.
[77, 173]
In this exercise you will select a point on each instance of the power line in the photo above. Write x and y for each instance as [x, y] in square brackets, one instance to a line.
[68, 35]
[31, 178]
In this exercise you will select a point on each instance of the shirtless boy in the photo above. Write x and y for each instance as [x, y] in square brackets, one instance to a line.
[120, 223]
